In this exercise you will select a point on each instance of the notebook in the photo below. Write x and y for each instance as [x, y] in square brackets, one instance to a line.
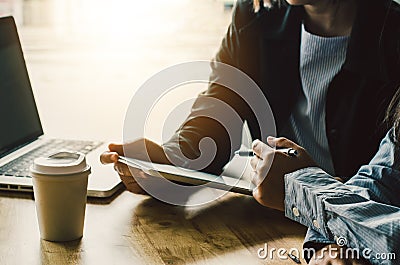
[21, 135]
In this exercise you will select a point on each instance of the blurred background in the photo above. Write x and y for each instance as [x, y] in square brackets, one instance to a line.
[86, 58]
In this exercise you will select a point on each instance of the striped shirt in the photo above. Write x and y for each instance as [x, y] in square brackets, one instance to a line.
[363, 213]
[321, 59]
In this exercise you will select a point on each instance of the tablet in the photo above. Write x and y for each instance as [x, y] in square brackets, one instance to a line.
[185, 176]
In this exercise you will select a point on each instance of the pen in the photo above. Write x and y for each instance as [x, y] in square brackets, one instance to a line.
[294, 258]
[288, 151]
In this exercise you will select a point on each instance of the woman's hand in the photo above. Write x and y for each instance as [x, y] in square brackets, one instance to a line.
[336, 255]
[270, 165]
[142, 149]
[125, 173]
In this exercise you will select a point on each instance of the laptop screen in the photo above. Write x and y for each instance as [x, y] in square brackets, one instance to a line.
[19, 118]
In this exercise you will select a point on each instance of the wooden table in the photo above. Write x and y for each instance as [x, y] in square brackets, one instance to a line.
[136, 229]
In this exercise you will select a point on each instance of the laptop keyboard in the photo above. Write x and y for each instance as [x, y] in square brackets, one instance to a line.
[19, 167]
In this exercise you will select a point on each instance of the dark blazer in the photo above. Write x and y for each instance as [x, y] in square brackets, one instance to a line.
[266, 46]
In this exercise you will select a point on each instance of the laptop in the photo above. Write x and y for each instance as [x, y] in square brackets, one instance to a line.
[21, 134]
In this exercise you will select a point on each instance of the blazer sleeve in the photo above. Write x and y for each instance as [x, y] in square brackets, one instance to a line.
[212, 131]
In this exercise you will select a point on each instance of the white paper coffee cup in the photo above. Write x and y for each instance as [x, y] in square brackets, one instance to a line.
[60, 189]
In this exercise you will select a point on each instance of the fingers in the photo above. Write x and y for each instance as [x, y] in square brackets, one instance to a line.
[122, 169]
[261, 162]
[132, 185]
[109, 157]
[257, 179]
[258, 165]
[260, 149]
[125, 173]
[281, 142]
[128, 177]
[254, 162]
[260, 169]
[118, 148]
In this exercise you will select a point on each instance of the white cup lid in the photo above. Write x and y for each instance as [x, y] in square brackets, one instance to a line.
[60, 163]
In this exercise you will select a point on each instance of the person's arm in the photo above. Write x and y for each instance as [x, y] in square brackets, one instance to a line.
[338, 212]
[212, 131]
[200, 135]
[376, 182]
[364, 211]
[314, 241]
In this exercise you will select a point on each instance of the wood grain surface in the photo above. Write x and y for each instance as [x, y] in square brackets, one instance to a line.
[136, 229]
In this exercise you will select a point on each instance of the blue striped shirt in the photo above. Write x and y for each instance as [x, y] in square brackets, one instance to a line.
[364, 212]
[321, 59]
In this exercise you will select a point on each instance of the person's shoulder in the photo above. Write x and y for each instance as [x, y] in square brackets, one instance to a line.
[244, 12]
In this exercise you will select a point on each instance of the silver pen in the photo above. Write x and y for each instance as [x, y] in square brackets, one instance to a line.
[288, 151]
